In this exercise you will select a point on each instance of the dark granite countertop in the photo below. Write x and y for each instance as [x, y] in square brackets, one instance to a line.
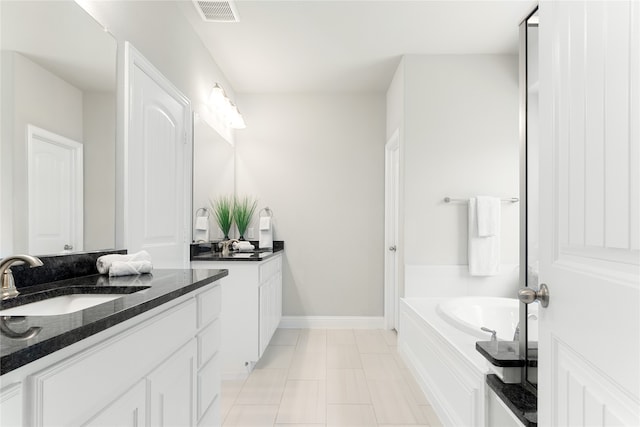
[503, 354]
[207, 252]
[522, 402]
[235, 256]
[57, 332]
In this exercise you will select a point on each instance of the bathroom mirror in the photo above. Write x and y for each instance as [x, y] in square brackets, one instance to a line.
[59, 76]
[213, 172]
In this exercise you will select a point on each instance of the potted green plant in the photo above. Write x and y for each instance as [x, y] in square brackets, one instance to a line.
[243, 210]
[223, 211]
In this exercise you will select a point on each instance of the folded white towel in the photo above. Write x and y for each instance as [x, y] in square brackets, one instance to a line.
[484, 252]
[488, 216]
[243, 246]
[128, 268]
[104, 262]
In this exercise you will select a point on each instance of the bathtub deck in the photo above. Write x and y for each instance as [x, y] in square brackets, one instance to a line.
[444, 362]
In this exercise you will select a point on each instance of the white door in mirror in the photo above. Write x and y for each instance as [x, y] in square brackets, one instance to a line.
[55, 192]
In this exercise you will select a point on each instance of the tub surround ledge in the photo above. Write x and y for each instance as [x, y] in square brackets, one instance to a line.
[504, 354]
[520, 401]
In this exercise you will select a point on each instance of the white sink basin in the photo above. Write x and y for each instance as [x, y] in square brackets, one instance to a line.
[59, 305]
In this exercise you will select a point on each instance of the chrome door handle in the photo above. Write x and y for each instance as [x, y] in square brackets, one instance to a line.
[392, 248]
[528, 295]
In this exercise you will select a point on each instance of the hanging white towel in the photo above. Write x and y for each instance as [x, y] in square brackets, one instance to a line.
[266, 233]
[265, 222]
[202, 223]
[484, 252]
[488, 216]
[104, 262]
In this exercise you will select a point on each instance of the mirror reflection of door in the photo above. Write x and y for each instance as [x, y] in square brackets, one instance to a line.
[55, 189]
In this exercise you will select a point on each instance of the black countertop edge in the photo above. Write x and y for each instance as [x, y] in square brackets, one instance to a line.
[58, 332]
[504, 354]
[520, 401]
[253, 256]
[206, 248]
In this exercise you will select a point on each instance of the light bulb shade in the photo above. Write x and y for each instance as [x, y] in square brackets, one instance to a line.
[227, 110]
[217, 96]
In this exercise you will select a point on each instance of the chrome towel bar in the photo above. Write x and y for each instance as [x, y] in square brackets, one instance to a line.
[451, 200]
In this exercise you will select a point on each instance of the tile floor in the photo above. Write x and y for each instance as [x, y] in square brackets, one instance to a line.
[318, 377]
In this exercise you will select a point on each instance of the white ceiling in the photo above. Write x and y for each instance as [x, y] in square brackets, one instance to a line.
[349, 46]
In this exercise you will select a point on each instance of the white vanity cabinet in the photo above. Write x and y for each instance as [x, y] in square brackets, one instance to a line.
[129, 410]
[11, 405]
[251, 312]
[145, 371]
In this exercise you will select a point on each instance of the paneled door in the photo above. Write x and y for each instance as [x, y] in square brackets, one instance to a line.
[55, 187]
[589, 349]
[157, 157]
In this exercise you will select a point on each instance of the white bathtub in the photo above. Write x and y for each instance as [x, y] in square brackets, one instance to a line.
[437, 339]
[470, 314]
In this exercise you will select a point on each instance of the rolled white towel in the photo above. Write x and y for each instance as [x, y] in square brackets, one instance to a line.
[128, 268]
[243, 246]
[104, 262]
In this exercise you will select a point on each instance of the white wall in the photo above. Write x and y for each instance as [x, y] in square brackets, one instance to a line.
[460, 139]
[318, 162]
[99, 115]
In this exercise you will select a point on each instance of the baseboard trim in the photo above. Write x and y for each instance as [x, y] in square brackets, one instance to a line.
[332, 322]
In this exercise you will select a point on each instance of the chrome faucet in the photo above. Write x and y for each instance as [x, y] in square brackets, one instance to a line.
[8, 285]
[226, 246]
[516, 334]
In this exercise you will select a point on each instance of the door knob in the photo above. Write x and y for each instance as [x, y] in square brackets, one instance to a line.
[392, 248]
[528, 295]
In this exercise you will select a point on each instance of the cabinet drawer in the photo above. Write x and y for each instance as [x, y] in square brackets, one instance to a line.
[209, 305]
[109, 368]
[208, 384]
[270, 268]
[208, 342]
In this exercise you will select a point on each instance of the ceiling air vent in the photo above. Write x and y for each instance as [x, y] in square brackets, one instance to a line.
[217, 11]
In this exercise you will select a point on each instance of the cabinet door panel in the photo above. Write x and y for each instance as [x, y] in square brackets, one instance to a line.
[127, 410]
[11, 405]
[208, 385]
[171, 389]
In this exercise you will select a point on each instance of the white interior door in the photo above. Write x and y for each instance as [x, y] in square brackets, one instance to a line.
[589, 349]
[55, 192]
[157, 157]
[392, 208]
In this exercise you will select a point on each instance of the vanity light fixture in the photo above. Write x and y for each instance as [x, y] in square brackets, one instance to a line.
[219, 100]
